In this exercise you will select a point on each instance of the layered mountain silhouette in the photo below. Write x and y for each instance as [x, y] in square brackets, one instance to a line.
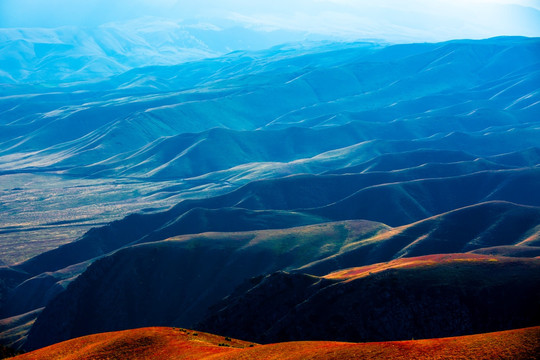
[271, 195]
[187, 274]
[164, 133]
[72, 54]
[425, 297]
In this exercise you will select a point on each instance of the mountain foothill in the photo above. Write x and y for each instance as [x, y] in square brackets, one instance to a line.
[330, 199]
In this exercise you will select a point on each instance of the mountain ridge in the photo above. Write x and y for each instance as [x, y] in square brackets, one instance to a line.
[431, 296]
[313, 250]
[273, 167]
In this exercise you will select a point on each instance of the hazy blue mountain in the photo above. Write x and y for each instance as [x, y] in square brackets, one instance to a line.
[160, 134]
[70, 54]
[118, 192]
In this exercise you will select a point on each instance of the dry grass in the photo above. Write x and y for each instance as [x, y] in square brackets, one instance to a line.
[167, 343]
[145, 343]
[414, 262]
[515, 344]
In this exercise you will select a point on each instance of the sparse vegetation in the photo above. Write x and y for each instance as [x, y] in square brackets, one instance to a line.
[161, 344]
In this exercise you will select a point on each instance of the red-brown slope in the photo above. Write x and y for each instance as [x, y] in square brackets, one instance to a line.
[513, 344]
[417, 262]
[167, 343]
[143, 343]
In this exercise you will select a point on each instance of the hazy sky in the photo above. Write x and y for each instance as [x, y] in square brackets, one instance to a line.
[419, 19]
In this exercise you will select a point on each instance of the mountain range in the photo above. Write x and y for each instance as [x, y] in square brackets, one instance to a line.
[324, 191]
[157, 135]
[76, 53]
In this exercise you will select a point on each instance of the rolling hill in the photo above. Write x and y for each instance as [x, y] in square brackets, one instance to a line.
[167, 343]
[331, 191]
[424, 297]
[186, 275]
[195, 271]
[153, 136]
[72, 54]
[348, 197]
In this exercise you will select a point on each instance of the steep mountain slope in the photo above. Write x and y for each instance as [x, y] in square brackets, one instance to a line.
[456, 231]
[164, 133]
[486, 225]
[236, 86]
[301, 150]
[174, 281]
[431, 296]
[348, 196]
[166, 343]
[101, 241]
[195, 271]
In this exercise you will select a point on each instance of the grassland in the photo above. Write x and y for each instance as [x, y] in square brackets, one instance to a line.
[174, 343]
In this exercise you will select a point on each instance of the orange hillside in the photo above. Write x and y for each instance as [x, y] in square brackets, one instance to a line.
[416, 262]
[144, 343]
[167, 343]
